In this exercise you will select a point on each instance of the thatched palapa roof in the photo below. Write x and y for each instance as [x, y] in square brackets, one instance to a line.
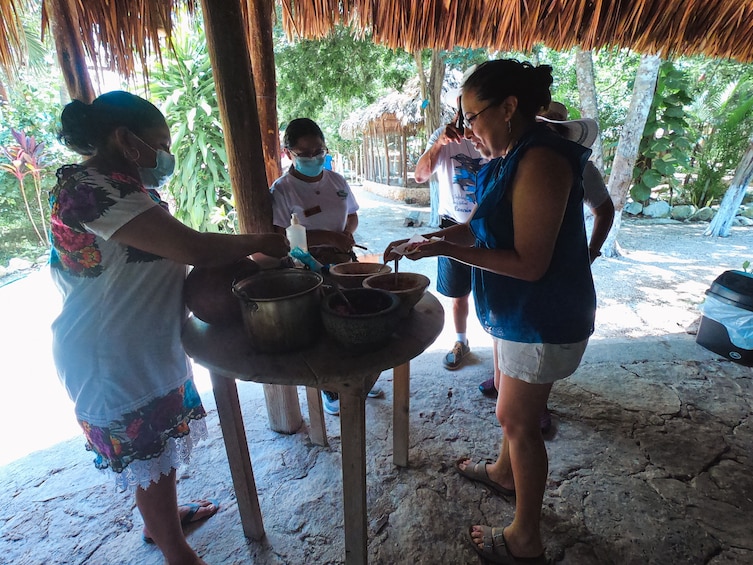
[717, 28]
[119, 34]
[398, 110]
[401, 110]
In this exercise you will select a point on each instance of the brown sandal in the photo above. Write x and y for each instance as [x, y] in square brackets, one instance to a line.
[477, 472]
[495, 548]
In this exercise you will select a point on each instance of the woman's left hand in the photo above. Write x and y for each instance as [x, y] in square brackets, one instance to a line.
[389, 254]
[428, 248]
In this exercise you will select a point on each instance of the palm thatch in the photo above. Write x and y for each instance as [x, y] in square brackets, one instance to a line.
[11, 36]
[118, 35]
[122, 34]
[716, 28]
[397, 111]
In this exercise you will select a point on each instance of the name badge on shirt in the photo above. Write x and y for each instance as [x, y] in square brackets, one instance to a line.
[312, 211]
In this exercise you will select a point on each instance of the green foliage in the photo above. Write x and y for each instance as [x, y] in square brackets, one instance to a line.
[665, 146]
[327, 79]
[18, 238]
[746, 266]
[721, 114]
[33, 107]
[463, 58]
[25, 159]
[32, 110]
[186, 88]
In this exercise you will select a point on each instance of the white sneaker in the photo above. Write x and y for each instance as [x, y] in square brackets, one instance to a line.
[376, 392]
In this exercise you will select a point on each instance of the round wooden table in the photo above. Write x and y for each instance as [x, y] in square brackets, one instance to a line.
[226, 351]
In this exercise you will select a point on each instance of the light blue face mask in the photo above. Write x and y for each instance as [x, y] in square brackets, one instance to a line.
[155, 177]
[309, 166]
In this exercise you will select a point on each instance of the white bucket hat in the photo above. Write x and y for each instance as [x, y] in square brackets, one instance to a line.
[583, 131]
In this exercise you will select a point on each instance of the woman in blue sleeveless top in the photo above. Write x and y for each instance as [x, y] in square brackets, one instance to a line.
[532, 282]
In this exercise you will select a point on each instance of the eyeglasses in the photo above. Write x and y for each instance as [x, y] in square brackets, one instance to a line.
[468, 122]
[319, 154]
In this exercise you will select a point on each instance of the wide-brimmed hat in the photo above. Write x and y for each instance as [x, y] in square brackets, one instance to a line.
[583, 131]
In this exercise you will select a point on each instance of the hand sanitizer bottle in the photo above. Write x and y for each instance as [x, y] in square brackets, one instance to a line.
[296, 235]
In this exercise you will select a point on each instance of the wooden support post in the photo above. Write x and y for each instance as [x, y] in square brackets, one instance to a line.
[236, 97]
[317, 427]
[353, 434]
[236, 446]
[261, 48]
[386, 152]
[404, 156]
[70, 50]
[400, 414]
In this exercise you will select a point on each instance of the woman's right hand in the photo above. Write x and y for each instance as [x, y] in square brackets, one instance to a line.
[388, 254]
[272, 244]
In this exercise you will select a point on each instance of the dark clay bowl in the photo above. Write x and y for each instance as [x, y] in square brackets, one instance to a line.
[370, 323]
[409, 287]
[208, 292]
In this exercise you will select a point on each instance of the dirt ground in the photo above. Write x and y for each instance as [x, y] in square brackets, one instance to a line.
[657, 284]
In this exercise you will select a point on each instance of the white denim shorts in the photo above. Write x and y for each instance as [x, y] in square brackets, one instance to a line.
[539, 363]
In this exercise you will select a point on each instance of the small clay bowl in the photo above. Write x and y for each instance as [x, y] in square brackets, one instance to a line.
[367, 322]
[409, 287]
[352, 275]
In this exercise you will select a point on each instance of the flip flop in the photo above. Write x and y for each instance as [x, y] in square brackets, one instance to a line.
[477, 472]
[495, 548]
[190, 516]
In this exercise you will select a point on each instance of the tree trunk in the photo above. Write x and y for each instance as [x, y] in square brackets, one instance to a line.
[436, 78]
[423, 89]
[236, 98]
[589, 107]
[431, 89]
[70, 50]
[621, 178]
[721, 224]
[261, 47]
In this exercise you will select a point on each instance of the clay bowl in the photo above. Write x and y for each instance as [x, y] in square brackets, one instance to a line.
[352, 275]
[368, 324]
[409, 287]
[208, 292]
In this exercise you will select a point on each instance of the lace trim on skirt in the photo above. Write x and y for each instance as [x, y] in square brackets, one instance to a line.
[177, 452]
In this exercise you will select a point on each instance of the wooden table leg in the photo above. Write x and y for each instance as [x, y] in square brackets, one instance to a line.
[234, 434]
[400, 414]
[283, 408]
[353, 434]
[317, 427]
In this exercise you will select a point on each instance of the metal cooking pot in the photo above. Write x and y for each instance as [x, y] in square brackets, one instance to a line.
[281, 309]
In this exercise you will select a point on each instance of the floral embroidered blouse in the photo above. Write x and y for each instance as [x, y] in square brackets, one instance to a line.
[117, 342]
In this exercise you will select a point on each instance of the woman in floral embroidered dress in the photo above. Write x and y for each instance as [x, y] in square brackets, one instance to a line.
[119, 259]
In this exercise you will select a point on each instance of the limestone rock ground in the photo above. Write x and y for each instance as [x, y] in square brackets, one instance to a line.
[651, 455]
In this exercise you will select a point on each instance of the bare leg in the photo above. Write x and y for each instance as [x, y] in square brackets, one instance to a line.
[496, 365]
[158, 504]
[460, 313]
[523, 456]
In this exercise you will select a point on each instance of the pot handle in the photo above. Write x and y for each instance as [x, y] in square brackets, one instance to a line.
[247, 302]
